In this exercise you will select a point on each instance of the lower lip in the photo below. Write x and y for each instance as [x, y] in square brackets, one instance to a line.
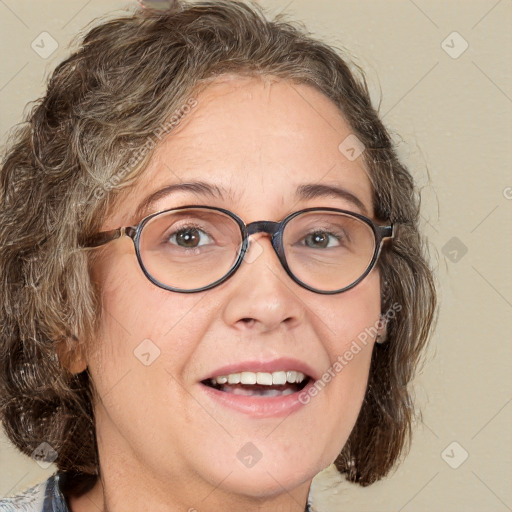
[259, 406]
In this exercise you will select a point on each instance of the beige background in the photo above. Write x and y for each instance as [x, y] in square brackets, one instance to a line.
[453, 116]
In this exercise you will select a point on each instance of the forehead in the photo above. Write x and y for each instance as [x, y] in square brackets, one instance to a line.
[256, 140]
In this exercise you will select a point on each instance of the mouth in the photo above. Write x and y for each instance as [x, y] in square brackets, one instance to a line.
[260, 384]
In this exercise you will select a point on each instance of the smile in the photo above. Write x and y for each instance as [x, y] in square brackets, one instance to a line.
[264, 384]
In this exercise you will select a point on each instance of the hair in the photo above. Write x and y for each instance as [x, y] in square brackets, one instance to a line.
[99, 121]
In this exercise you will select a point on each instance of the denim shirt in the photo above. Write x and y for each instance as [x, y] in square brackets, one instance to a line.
[47, 497]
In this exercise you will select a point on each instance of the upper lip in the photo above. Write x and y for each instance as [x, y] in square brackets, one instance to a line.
[274, 365]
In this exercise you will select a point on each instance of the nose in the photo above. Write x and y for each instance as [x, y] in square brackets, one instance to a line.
[262, 297]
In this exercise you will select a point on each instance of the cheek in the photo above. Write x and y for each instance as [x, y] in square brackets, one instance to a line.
[349, 330]
[356, 327]
[139, 356]
[351, 315]
[142, 325]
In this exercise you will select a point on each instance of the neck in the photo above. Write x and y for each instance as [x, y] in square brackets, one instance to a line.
[102, 498]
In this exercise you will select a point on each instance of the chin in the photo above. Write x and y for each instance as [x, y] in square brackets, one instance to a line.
[269, 476]
[263, 484]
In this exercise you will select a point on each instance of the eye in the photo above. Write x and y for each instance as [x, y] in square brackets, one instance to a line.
[321, 240]
[190, 238]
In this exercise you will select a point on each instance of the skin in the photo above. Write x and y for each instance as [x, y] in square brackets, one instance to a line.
[161, 440]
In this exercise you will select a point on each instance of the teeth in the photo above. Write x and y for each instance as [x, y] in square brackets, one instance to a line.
[278, 378]
[233, 378]
[248, 378]
[263, 378]
[291, 376]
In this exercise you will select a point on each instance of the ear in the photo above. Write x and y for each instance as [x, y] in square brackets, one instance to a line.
[71, 355]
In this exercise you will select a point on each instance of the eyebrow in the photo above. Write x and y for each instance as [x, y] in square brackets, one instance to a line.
[314, 190]
[197, 187]
[309, 191]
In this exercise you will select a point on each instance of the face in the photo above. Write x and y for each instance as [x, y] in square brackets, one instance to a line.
[254, 143]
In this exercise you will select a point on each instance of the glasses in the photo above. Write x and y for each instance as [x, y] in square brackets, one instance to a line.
[195, 248]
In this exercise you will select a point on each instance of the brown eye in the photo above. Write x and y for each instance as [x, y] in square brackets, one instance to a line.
[189, 238]
[320, 240]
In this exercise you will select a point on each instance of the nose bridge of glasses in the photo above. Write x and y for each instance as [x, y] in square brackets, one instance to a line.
[263, 226]
[270, 228]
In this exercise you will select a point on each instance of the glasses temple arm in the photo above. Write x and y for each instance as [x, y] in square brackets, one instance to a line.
[105, 237]
[386, 231]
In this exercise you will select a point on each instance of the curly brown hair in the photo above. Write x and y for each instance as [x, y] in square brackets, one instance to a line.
[105, 102]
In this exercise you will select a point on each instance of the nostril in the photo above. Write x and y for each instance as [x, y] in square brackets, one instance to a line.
[248, 321]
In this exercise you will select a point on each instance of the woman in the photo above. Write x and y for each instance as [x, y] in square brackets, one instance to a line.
[269, 311]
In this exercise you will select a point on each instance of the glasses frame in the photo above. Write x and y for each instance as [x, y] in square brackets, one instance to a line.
[274, 229]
